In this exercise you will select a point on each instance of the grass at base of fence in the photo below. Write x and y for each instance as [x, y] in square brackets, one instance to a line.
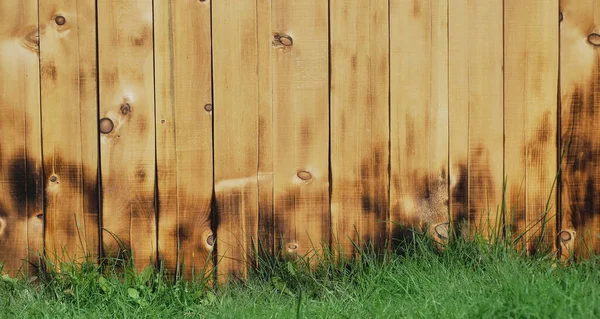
[468, 279]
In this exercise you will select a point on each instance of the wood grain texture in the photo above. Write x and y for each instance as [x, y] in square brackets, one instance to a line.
[126, 78]
[184, 135]
[530, 121]
[301, 126]
[21, 211]
[419, 117]
[580, 127]
[265, 129]
[476, 114]
[359, 123]
[69, 110]
[235, 80]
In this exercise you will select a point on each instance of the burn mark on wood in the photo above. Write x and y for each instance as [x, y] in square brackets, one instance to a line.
[460, 193]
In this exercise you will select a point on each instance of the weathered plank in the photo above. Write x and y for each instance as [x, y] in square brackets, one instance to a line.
[419, 117]
[265, 129]
[476, 114]
[69, 110]
[236, 97]
[21, 217]
[127, 142]
[359, 123]
[184, 135]
[530, 113]
[301, 125]
[580, 127]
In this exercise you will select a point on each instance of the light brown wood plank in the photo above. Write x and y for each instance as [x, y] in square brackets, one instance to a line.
[69, 108]
[359, 123]
[21, 218]
[580, 127]
[530, 90]
[476, 114]
[236, 99]
[419, 117]
[128, 150]
[184, 135]
[301, 126]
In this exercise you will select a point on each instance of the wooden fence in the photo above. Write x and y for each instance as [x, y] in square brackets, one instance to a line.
[179, 126]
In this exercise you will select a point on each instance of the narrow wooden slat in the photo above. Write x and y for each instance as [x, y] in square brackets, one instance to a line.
[69, 114]
[301, 125]
[265, 128]
[184, 134]
[530, 88]
[419, 117]
[580, 127]
[236, 97]
[21, 218]
[476, 114]
[127, 141]
[359, 122]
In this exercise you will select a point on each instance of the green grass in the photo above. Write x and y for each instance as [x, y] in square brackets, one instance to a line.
[467, 280]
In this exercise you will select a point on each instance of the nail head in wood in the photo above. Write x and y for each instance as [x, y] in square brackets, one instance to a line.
[60, 20]
[106, 125]
[304, 175]
[565, 235]
[210, 240]
[208, 107]
[594, 39]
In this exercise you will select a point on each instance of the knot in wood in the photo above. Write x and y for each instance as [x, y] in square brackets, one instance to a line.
[60, 20]
[304, 175]
[208, 107]
[292, 246]
[210, 240]
[125, 108]
[442, 230]
[283, 39]
[106, 125]
[53, 178]
[594, 39]
[39, 216]
[565, 236]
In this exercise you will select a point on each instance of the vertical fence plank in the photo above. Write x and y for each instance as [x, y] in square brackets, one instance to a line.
[184, 134]
[127, 142]
[530, 88]
[419, 117]
[580, 127]
[359, 122]
[69, 118]
[301, 120]
[476, 113]
[235, 134]
[265, 128]
[21, 218]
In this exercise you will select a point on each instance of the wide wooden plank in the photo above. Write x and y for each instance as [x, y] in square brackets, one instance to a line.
[265, 129]
[21, 211]
[580, 127]
[69, 110]
[359, 123]
[127, 143]
[235, 81]
[184, 135]
[301, 125]
[530, 114]
[476, 114]
[419, 117]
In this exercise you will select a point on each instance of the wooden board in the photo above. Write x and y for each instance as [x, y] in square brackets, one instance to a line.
[530, 121]
[265, 129]
[128, 150]
[359, 123]
[21, 217]
[235, 81]
[580, 127]
[301, 125]
[419, 117]
[476, 114]
[184, 135]
[69, 110]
